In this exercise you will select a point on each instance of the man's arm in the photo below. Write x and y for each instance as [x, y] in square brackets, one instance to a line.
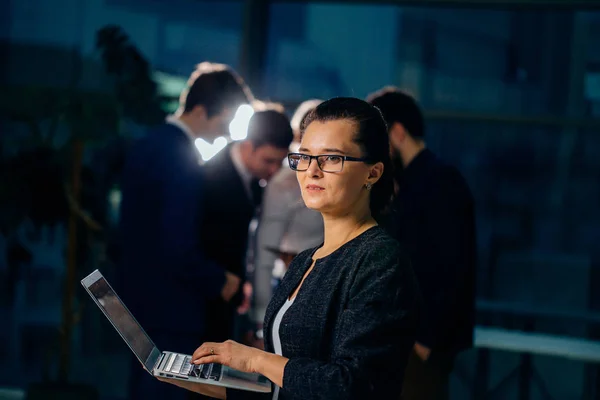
[180, 212]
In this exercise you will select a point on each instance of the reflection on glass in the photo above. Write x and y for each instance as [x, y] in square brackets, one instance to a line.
[122, 320]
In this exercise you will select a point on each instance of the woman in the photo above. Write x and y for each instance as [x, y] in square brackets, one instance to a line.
[342, 322]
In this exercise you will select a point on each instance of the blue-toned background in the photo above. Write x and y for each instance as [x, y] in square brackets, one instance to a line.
[512, 98]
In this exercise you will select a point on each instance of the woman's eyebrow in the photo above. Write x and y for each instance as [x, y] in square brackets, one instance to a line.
[334, 150]
[326, 150]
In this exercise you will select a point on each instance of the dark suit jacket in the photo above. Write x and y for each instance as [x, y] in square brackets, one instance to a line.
[165, 279]
[228, 211]
[352, 326]
[434, 218]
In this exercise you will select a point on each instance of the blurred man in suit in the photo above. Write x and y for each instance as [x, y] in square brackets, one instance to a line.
[235, 178]
[166, 279]
[434, 218]
[283, 214]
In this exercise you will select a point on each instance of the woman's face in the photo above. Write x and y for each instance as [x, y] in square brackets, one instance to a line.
[335, 193]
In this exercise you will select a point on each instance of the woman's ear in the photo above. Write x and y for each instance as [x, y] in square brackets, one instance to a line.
[375, 173]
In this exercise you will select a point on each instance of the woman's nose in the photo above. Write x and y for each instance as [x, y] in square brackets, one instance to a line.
[313, 168]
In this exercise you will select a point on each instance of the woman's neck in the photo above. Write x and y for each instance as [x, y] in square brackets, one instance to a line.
[341, 229]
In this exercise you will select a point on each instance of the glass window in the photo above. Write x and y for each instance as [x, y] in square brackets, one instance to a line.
[468, 60]
[173, 36]
[592, 66]
[537, 197]
[329, 50]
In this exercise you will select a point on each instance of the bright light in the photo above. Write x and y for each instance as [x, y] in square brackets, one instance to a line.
[238, 128]
[207, 150]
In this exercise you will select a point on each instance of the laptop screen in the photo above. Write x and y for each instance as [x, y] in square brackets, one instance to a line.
[122, 319]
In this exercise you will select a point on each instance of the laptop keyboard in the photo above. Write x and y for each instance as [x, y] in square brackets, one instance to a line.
[207, 371]
[180, 364]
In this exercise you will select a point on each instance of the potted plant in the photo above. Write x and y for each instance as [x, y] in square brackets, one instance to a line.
[53, 173]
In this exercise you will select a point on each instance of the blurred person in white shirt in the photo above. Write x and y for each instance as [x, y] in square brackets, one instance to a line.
[286, 226]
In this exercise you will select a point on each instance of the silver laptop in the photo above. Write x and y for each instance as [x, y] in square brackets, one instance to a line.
[166, 364]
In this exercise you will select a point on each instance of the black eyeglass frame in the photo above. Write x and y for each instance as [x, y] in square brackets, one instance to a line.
[344, 159]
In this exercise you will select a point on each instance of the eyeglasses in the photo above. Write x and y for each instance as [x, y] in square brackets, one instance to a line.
[326, 162]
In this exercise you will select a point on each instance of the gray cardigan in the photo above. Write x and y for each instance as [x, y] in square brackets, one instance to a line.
[352, 326]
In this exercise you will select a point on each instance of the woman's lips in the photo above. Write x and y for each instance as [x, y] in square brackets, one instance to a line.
[314, 188]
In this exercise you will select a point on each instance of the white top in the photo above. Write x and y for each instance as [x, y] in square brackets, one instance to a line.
[275, 333]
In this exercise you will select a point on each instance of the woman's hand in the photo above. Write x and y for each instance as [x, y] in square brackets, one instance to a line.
[217, 392]
[229, 353]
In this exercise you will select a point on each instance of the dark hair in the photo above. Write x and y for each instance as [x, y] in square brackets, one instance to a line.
[215, 87]
[398, 106]
[270, 127]
[371, 135]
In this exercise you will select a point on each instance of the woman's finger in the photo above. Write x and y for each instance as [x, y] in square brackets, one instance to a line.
[208, 360]
[207, 349]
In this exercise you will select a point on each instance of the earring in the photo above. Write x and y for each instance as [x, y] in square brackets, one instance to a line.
[369, 186]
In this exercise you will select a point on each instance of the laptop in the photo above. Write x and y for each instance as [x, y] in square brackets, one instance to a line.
[164, 363]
